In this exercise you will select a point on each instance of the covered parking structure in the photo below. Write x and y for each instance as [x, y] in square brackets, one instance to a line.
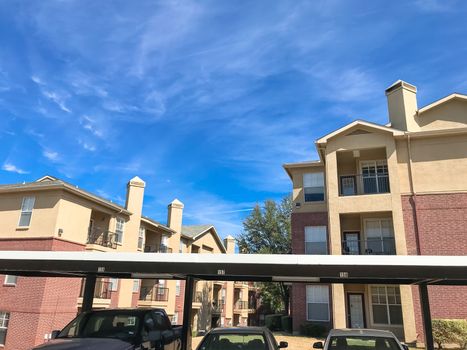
[411, 270]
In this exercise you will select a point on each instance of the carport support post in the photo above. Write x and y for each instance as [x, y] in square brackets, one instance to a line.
[187, 306]
[88, 295]
[426, 316]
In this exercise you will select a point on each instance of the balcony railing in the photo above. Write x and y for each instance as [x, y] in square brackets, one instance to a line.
[376, 246]
[155, 293]
[241, 305]
[351, 185]
[157, 248]
[101, 291]
[102, 237]
[218, 306]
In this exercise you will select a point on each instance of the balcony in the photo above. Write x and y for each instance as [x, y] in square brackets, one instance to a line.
[101, 291]
[217, 306]
[361, 184]
[376, 246]
[241, 305]
[157, 248]
[155, 293]
[102, 237]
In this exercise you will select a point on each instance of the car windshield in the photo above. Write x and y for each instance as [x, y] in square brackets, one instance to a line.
[362, 343]
[234, 341]
[123, 325]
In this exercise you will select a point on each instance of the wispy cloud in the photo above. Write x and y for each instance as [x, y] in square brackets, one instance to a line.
[13, 168]
[50, 155]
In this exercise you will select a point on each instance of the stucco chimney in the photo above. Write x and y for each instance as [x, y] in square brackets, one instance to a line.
[229, 243]
[402, 106]
[135, 195]
[175, 215]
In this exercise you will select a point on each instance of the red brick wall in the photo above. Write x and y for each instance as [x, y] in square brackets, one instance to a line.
[442, 227]
[298, 299]
[179, 299]
[37, 305]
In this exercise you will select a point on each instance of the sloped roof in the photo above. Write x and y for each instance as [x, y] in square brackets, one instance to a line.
[193, 232]
[50, 182]
[442, 101]
[157, 224]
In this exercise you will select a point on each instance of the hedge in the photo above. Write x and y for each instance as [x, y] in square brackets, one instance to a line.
[286, 322]
[273, 322]
[312, 330]
[450, 332]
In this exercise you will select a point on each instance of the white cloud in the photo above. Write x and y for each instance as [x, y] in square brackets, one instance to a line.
[90, 124]
[50, 155]
[37, 80]
[57, 98]
[13, 168]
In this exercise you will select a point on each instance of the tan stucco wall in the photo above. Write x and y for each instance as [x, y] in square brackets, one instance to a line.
[298, 195]
[450, 115]
[43, 219]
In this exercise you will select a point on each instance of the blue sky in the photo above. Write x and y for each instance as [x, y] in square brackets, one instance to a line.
[205, 100]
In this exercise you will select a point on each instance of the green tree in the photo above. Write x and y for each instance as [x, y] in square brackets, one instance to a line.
[267, 231]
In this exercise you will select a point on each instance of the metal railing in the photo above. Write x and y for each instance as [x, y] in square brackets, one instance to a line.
[101, 291]
[157, 248]
[370, 246]
[351, 185]
[102, 237]
[241, 305]
[218, 306]
[155, 293]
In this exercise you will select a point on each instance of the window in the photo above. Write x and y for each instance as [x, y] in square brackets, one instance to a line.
[26, 211]
[4, 318]
[135, 286]
[10, 280]
[161, 287]
[141, 234]
[177, 287]
[181, 248]
[119, 230]
[313, 187]
[386, 305]
[379, 237]
[317, 301]
[316, 241]
[175, 318]
[113, 284]
[164, 243]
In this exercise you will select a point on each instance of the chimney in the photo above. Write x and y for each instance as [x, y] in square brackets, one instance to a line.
[402, 106]
[134, 196]
[229, 244]
[175, 215]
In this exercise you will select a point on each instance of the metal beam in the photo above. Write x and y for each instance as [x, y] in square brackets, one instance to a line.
[426, 316]
[88, 295]
[187, 306]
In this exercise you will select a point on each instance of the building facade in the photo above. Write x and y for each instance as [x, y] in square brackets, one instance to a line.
[53, 215]
[388, 189]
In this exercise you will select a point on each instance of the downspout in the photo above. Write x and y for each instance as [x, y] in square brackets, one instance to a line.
[414, 195]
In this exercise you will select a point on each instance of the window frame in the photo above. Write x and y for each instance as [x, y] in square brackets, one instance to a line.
[325, 236]
[305, 187]
[178, 284]
[119, 233]
[141, 237]
[4, 321]
[328, 302]
[30, 211]
[388, 314]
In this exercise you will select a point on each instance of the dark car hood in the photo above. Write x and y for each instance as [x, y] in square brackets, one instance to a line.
[85, 344]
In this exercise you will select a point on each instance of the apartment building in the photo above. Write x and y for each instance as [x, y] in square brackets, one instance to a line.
[399, 188]
[51, 214]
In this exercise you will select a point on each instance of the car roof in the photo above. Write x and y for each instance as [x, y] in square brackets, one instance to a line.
[361, 332]
[236, 330]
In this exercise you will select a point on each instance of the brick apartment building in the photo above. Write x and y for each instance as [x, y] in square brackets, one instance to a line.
[399, 188]
[50, 214]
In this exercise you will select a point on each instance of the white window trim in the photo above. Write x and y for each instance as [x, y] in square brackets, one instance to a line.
[178, 285]
[325, 236]
[329, 302]
[324, 187]
[379, 220]
[21, 212]
[370, 303]
[5, 283]
[7, 319]
[123, 229]
[142, 235]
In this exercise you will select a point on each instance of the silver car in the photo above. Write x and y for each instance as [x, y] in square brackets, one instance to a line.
[360, 339]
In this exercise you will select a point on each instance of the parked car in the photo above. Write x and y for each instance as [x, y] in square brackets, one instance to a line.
[240, 338]
[360, 339]
[117, 329]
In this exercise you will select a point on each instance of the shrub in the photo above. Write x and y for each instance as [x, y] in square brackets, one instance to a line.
[273, 322]
[286, 322]
[312, 330]
[450, 332]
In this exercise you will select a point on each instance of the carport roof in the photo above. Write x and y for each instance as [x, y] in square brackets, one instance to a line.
[446, 270]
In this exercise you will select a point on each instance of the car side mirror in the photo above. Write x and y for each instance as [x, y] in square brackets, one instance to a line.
[54, 334]
[318, 345]
[149, 323]
[283, 345]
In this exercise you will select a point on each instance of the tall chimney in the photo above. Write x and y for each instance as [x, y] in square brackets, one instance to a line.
[402, 106]
[229, 243]
[175, 215]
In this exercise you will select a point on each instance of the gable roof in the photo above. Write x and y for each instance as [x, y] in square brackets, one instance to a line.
[358, 122]
[313, 163]
[52, 183]
[442, 101]
[147, 220]
[193, 232]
